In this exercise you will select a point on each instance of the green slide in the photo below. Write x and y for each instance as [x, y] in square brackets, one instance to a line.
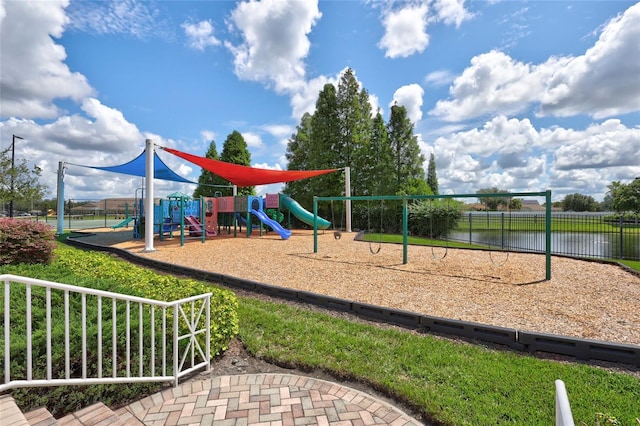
[124, 223]
[301, 213]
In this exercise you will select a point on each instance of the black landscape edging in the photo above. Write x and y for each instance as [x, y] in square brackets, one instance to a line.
[583, 349]
[523, 341]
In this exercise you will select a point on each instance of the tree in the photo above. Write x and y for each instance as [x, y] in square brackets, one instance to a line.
[492, 203]
[407, 159]
[298, 155]
[626, 197]
[354, 121]
[579, 203]
[207, 181]
[19, 183]
[235, 151]
[326, 145]
[432, 178]
[377, 168]
[515, 204]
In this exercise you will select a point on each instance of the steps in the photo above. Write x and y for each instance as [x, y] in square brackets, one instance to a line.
[95, 415]
[40, 417]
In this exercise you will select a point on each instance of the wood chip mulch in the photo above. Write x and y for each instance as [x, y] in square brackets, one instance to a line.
[583, 299]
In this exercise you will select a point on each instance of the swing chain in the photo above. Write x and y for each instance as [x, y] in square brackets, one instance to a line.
[496, 264]
[371, 249]
[446, 248]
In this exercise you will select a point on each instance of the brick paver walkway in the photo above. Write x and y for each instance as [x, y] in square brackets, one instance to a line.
[264, 399]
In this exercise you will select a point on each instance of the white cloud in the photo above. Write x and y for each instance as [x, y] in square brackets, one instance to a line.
[514, 155]
[494, 83]
[110, 126]
[406, 26]
[405, 31]
[208, 135]
[609, 144]
[200, 35]
[304, 100]
[603, 82]
[133, 18]
[275, 43]
[253, 140]
[36, 73]
[410, 97]
[279, 130]
[439, 78]
[451, 11]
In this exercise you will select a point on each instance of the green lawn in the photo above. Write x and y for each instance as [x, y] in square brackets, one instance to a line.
[446, 381]
[374, 239]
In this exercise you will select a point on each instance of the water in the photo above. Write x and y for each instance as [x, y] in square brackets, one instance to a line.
[581, 244]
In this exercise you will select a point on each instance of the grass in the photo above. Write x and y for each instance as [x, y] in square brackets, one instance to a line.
[446, 381]
[375, 238]
[633, 264]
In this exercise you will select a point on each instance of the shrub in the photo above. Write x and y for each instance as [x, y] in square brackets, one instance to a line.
[25, 241]
[433, 219]
[102, 272]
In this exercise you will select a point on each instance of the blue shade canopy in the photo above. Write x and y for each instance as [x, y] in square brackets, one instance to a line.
[137, 167]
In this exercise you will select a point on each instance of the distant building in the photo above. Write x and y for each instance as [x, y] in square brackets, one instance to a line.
[532, 206]
[527, 206]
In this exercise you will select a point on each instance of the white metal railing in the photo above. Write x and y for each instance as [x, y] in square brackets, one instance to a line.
[563, 409]
[166, 361]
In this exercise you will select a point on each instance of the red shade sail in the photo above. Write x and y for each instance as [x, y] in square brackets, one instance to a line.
[245, 175]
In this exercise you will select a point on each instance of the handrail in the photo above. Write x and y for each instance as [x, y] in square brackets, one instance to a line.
[164, 361]
[563, 409]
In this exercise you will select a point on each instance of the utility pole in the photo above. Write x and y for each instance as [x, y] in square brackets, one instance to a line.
[13, 171]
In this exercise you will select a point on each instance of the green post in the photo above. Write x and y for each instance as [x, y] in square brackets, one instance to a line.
[548, 235]
[160, 228]
[405, 231]
[315, 224]
[248, 226]
[181, 221]
[203, 216]
[234, 220]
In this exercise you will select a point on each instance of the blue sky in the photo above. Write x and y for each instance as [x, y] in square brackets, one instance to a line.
[522, 95]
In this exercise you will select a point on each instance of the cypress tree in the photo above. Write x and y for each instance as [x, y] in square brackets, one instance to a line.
[207, 179]
[235, 151]
[407, 159]
[432, 178]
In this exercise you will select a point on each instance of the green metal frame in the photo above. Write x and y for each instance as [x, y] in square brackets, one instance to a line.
[405, 215]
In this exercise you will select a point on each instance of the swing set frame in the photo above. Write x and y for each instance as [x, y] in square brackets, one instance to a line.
[405, 215]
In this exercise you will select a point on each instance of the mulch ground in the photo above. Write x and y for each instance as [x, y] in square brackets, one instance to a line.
[583, 299]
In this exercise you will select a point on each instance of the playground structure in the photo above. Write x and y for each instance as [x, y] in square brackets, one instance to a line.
[150, 166]
[405, 216]
[207, 217]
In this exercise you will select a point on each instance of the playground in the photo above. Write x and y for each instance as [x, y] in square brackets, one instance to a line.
[524, 291]
[582, 299]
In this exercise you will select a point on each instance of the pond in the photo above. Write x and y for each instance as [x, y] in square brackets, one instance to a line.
[580, 244]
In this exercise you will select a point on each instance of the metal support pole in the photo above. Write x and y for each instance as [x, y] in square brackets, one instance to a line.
[405, 231]
[148, 201]
[347, 193]
[60, 200]
[548, 235]
[315, 224]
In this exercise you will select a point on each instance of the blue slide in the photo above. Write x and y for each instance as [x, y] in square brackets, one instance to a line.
[243, 220]
[284, 233]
